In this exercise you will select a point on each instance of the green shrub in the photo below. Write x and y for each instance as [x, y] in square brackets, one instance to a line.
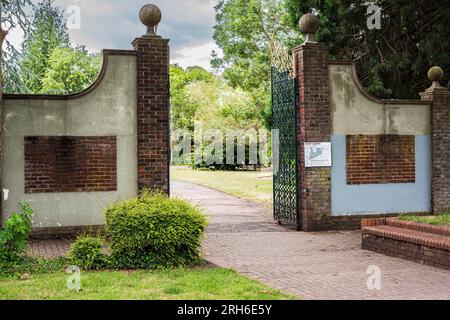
[14, 236]
[154, 231]
[224, 166]
[86, 253]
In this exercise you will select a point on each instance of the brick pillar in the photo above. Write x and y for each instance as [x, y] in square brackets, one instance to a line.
[314, 125]
[440, 142]
[153, 112]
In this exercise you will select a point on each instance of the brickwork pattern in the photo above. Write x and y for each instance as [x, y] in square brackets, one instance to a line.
[338, 223]
[407, 250]
[70, 164]
[311, 67]
[153, 112]
[329, 265]
[379, 159]
[440, 150]
[326, 265]
[409, 240]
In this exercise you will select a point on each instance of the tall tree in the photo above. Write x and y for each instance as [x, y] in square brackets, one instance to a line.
[70, 71]
[392, 61]
[48, 32]
[14, 15]
[253, 34]
[182, 112]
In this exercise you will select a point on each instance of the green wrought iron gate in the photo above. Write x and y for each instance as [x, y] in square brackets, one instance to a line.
[284, 123]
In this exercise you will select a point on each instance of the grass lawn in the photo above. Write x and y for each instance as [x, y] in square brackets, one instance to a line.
[189, 284]
[251, 185]
[442, 220]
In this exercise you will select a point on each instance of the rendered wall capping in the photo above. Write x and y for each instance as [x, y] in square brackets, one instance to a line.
[355, 111]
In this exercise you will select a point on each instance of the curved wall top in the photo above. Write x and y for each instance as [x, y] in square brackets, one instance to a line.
[355, 111]
[107, 108]
[106, 57]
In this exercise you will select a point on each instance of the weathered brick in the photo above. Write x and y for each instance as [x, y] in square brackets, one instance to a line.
[70, 164]
[153, 112]
[440, 151]
[380, 159]
[314, 125]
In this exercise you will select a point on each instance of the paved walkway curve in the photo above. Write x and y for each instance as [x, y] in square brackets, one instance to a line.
[326, 265]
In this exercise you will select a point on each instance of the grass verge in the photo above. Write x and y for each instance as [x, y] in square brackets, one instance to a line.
[250, 185]
[184, 284]
[441, 220]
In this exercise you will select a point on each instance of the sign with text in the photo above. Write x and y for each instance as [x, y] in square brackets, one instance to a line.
[317, 154]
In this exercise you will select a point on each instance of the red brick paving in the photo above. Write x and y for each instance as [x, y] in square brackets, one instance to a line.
[326, 265]
[49, 248]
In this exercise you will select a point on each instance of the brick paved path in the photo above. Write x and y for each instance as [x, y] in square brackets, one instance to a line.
[327, 265]
[49, 248]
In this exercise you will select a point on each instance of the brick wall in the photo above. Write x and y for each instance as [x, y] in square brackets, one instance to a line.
[406, 250]
[418, 242]
[380, 159]
[70, 164]
[153, 112]
[311, 67]
[440, 150]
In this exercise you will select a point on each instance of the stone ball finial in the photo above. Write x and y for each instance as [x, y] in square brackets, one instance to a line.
[309, 25]
[436, 74]
[150, 15]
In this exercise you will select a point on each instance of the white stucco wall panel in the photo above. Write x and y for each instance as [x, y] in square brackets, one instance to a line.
[354, 111]
[109, 109]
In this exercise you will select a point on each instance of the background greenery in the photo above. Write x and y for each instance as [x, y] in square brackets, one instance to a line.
[47, 62]
[393, 61]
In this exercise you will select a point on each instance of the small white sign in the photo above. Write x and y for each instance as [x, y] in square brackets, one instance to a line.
[317, 154]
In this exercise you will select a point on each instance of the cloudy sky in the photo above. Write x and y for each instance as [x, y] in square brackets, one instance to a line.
[113, 24]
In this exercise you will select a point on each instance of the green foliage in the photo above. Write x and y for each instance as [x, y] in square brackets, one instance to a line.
[199, 96]
[182, 110]
[439, 220]
[249, 32]
[209, 153]
[153, 230]
[86, 253]
[13, 16]
[48, 32]
[14, 235]
[24, 266]
[393, 61]
[70, 71]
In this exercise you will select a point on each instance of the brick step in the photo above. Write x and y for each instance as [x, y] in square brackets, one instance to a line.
[422, 227]
[427, 239]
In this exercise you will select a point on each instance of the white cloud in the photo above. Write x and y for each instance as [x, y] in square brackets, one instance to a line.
[195, 55]
[114, 24]
[15, 38]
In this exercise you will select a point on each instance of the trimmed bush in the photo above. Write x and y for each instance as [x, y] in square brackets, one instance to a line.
[154, 231]
[86, 253]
